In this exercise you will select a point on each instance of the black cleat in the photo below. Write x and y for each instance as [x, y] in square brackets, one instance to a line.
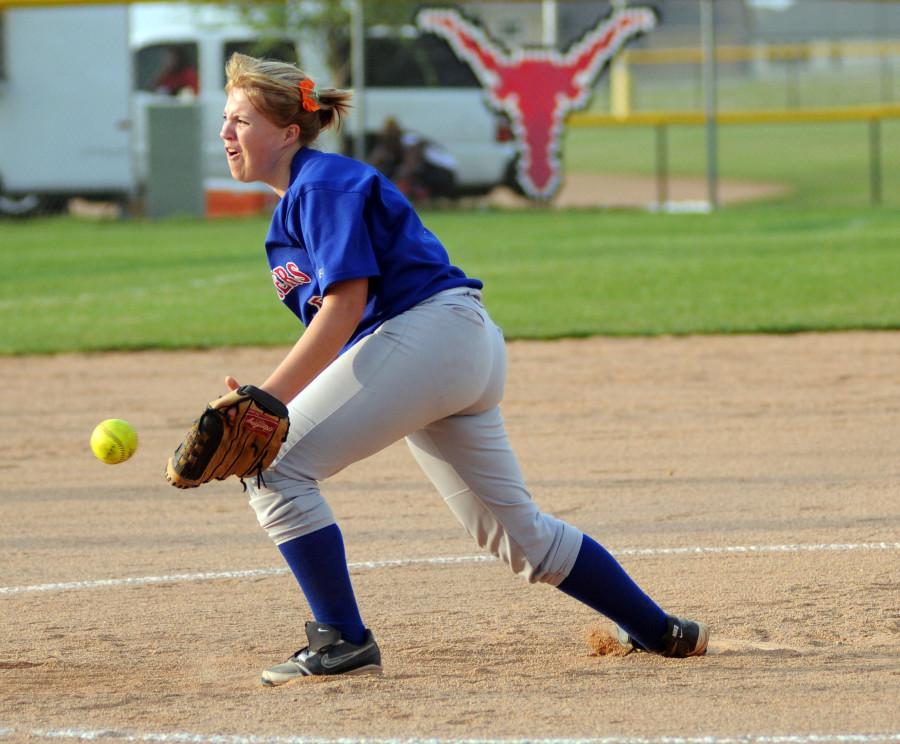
[682, 638]
[327, 653]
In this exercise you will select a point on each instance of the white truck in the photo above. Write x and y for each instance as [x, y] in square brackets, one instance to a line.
[65, 118]
[79, 79]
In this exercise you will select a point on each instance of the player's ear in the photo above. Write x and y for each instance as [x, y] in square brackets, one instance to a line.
[291, 134]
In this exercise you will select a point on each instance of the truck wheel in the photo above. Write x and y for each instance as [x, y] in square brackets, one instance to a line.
[30, 205]
[511, 178]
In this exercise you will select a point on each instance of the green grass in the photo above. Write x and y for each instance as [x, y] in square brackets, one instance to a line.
[822, 165]
[679, 87]
[818, 259]
[619, 273]
[70, 285]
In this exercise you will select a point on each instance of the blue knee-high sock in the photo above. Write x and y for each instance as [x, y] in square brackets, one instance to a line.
[319, 564]
[601, 583]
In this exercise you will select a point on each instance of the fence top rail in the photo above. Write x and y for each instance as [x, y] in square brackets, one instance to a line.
[795, 116]
[824, 49]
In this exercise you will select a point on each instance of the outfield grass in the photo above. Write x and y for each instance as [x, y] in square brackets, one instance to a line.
[823, 165]
[70, 285]
[680, 87]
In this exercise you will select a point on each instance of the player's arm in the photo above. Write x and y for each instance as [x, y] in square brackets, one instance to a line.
[334, 324]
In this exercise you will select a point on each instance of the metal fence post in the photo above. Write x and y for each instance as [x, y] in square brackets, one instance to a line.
[358, 70]
[708, 31]
[662, 165]
[875, 161]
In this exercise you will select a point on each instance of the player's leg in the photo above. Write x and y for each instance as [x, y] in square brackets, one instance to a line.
[469, 459]
[410, 372]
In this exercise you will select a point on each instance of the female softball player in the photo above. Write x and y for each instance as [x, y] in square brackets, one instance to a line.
[397, 344]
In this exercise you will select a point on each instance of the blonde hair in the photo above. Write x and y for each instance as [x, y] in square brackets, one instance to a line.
[274, 90]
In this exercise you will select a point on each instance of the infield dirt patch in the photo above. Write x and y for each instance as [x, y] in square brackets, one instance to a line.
[634, 190]
[753, 482]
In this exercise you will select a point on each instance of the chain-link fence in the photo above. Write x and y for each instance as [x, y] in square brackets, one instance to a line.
[807, 94]
[771, 53]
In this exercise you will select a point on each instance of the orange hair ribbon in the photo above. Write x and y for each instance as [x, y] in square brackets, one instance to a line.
[309, 95]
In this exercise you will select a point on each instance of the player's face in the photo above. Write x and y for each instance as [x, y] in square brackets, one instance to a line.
[254, 146]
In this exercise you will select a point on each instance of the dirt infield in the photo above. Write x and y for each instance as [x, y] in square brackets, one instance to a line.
[750, 481]
[635, 190]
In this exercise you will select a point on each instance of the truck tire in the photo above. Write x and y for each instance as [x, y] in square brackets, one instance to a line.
[30, 205]
[511, 178]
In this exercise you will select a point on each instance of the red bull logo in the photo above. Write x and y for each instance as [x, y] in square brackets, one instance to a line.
[537, 88]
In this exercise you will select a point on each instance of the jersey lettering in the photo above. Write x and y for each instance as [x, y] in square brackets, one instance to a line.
[287, 277]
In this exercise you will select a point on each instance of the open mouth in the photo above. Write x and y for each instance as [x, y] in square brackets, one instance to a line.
[231, 153]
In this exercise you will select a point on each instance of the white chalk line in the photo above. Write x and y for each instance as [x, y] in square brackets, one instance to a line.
[124, 292]
[181, 737]
[437, 561]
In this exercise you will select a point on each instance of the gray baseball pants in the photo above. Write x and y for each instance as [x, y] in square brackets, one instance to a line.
[435, 375]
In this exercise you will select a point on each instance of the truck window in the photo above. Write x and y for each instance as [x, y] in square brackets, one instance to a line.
[424, 61]
[282, 50]
[167, 68]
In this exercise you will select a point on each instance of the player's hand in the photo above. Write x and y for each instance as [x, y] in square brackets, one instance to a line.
[233, 385]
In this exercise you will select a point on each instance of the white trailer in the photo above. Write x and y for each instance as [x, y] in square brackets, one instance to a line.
[65, 119]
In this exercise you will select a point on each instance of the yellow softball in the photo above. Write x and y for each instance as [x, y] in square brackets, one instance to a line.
[113, 441]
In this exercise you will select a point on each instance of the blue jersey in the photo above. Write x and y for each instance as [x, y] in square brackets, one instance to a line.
[341, 219]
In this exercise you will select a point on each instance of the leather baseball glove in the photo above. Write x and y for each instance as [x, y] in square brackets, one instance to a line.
[238, 434]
